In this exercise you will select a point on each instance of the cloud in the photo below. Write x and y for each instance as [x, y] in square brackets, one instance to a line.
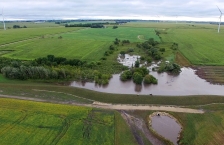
[60, 9]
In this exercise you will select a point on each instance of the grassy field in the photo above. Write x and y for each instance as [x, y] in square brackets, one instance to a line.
[26, 122]
[86, 44]
[203, 128]
[14, 35]
[201, 46]
[9, 25]
[199, 43]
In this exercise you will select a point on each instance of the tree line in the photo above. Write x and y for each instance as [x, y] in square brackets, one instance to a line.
[93, 25]
[51, 67]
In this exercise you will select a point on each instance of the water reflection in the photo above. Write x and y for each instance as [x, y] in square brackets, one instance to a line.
[167, 127]
[186, 83]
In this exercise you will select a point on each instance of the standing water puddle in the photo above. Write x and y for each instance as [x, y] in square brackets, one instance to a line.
[186, 83]
[166, 127]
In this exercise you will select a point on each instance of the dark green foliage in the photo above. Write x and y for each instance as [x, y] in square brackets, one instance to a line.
[126, 75]
[149, 79]
[173, 68]
[150, 49]
[117, 41]
[174, 46]
[149, 60]
[137, 64]
[111, 47]
[18, 26]
[93, 25]
[122, 52]
[137, 78]
[142, 70]
[115, 27]
[162, 49]
[51, 60]
[125, 41]
[169, 67]
[101, 79]
[130, 50]
[142, 58]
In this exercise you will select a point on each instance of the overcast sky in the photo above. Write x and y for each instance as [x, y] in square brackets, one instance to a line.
[119, 9]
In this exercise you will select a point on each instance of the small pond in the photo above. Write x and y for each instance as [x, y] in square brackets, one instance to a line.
[166, 127]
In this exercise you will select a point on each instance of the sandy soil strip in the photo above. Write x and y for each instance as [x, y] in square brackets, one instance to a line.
[147, 107]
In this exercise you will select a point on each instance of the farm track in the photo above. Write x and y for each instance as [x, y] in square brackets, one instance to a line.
[62, 132]
[22, 118]
[138, 125]
[115, 106]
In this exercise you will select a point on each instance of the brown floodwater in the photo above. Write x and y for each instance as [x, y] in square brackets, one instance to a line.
[166, 127]
[186, 83]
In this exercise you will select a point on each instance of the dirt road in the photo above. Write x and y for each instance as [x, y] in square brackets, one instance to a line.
[114, 106]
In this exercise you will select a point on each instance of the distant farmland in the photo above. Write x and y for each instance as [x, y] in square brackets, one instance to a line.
[86, 44]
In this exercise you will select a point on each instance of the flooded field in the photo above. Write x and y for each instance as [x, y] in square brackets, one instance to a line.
[186, 83]
[166, 127]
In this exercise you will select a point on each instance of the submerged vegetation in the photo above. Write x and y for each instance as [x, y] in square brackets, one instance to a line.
[137, 75]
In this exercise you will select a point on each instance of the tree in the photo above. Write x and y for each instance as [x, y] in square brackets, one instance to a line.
[137, 78]
[115, 27]
[126, 75]
[137, 63]
[122, 53]
[149, 79]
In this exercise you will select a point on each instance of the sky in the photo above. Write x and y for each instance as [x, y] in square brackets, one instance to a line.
[192, 10]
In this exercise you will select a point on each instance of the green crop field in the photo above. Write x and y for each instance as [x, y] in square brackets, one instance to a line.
[86, 44]
[25, 122]
[9, 25]
[14, 35]
[200, 46]
[199, 43]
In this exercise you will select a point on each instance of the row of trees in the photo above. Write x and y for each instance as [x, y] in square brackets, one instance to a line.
[93, 25]
[51, 60]
[53, 68]
[18, 26]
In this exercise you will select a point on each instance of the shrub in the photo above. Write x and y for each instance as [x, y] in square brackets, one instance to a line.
[137, 78]
[149, 79]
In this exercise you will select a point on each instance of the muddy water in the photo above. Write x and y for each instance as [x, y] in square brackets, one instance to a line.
[167, 127]
[186, 83]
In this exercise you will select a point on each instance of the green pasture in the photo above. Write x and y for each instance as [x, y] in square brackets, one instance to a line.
[14, 35]
[109, 34]
[85, 44]
[25, 122]
[68, 48]
[199, 46]
[204, 128]
[9, 25]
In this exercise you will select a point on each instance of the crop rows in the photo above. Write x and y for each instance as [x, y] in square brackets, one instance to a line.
[199, 46]
[86, 44]
[24, 122]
